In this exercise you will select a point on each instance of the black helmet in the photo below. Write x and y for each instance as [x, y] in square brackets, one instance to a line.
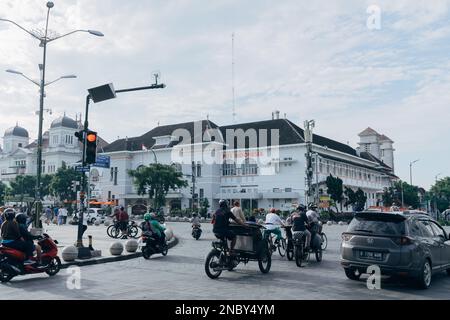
[9, 214]
[223, 203]
[301, 208]
[312, 206]
[21, 218]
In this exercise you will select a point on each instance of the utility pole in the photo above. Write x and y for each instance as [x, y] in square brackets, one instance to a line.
[309, 125]
[193, 186]
[435, 195]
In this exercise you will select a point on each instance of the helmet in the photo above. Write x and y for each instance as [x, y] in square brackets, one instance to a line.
[312, 206]
[147, 217]
[301, 208]
[273, 210]
[223, 203]
[9, 214]
[21, 218]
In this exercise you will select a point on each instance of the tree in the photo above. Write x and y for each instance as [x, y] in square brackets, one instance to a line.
[440, 193]
[204, 205]
[61, 183]
[23, 186]
[335, 190]
[3, 190]
[361, 200]
[388, 197]
[410, 194]
[156, 180]
[351, 197]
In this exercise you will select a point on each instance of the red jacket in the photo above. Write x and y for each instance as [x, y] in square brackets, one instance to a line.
[123, 216]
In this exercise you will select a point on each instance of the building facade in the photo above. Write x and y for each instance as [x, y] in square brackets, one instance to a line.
[262, 164]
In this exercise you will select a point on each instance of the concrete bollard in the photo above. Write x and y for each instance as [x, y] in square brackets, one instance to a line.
[329, 223]
[116, 248]
[107, 223]
[340, 223]
[69, 253]
[131, 245]
[97, 222]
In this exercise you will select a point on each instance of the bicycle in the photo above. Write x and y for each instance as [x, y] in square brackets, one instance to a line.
[275, 245]
[114, 230]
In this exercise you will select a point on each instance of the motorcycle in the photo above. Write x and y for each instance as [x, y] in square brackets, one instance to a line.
[151, 245]
[300, 253]
[196, 232]
[11, 260]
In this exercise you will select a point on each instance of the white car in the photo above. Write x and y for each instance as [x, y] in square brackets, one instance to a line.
[95, 214]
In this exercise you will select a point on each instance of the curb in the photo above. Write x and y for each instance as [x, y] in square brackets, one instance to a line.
[94, 261]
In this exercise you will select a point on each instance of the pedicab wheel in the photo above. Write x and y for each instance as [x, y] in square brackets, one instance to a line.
[53, 266]
[282, 248]
[212, 258]
[265, 262]
[146, 252]
[319, 255]
[324, 241]
[298, 253]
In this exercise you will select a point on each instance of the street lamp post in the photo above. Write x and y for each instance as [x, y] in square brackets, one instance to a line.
[44, 40]
[410, 171]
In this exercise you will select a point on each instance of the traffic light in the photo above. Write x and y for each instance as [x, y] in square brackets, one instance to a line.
[79, 135]
[91, 147]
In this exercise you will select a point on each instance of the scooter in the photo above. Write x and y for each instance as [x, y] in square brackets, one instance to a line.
[151, 245]
[11, 260]
[196, 232]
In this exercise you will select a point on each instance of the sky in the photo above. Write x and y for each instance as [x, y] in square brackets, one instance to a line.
[348, 65]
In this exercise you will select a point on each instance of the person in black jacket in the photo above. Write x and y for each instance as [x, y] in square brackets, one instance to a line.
[21, 219]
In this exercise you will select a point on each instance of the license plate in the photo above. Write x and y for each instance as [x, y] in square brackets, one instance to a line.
[371, 255]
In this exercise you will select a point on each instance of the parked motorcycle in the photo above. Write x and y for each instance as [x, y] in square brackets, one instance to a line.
[196, 232]
[11, 260]
[151, 245]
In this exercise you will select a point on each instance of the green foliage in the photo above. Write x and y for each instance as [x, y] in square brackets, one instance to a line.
[335, 189]
[204, 205]
[156, 180]
[61, 183]
[3, 190]
[388, 197]
[440, 193]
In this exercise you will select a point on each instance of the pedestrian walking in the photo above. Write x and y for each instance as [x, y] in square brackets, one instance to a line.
[48, 215]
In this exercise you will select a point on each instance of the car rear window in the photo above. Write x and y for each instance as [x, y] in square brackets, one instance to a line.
[374, 226]
[101, 211]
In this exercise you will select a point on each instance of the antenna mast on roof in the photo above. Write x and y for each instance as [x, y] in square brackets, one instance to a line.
[232, 77]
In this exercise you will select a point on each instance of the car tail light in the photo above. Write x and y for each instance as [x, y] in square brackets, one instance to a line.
[346, 237]
[404, 241]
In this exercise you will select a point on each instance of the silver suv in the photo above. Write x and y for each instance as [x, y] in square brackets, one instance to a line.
[408, 243]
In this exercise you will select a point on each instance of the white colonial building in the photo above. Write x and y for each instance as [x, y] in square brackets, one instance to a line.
[261, 163]
[19, 156]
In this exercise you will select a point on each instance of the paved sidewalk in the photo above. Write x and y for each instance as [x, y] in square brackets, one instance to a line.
[66, 235]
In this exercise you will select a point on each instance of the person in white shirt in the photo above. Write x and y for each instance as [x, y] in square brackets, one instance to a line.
[237, 211]
[273, 223]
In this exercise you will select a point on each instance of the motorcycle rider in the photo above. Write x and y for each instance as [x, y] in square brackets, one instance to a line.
[195, 221]
[221, 223]
[151, 224]
[273, 221]
[313, 219]
[10, 233]
[21, 219]
[299, 222]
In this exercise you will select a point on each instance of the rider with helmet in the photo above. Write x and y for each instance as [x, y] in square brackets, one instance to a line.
[313, 219]
[152, 225]
[195, 221]
[221, 220]
[21, 219]
[10, 232]
[273, 221]
[299, 223]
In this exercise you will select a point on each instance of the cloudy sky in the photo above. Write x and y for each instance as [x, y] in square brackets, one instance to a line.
[309, 59]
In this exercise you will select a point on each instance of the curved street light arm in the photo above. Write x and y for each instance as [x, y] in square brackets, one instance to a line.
[35, 82]
[69, 33]
[27, 31]
[48, 83]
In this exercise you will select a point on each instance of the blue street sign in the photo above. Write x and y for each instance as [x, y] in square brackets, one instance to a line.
[102, 161]
[82, 169]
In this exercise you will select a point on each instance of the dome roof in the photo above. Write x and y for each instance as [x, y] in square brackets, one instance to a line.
[17, 132]
[65, 122]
